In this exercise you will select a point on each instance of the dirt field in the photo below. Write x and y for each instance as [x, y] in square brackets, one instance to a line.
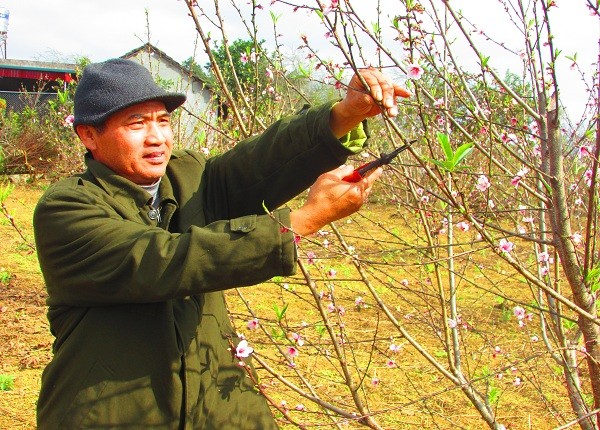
[25, 343]
[25, 340]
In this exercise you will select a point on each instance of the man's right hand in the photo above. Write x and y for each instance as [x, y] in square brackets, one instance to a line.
[330, 199]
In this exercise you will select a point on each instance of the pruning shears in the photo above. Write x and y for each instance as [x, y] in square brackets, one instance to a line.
[361, 171]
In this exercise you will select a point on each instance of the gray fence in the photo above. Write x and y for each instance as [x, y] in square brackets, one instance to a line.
[16, 101]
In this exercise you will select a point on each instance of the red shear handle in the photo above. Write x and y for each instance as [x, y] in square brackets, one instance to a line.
[353, 177]
[359, 173]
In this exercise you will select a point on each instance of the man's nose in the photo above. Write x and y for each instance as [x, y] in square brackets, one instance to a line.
[156, 134]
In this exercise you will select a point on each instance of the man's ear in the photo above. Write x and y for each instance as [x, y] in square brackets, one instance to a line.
[87, 135]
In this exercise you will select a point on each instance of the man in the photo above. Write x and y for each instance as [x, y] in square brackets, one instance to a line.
[137, 250]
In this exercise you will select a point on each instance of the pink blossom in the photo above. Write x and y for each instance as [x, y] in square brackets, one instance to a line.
[252, 324]
[330, 8]
[424, 199]
[292, 352]
[452, 323]
[584, 151]
[505, 246]
[483, 183]
[544, 257]
[269, 74]
[296, 338]
[463, 226]
[509, 138]
[331, 273]
[577, 238]
[69, 119]
[588, 177]
[519, 312]
[244, 58]
[517, 381]
[310, 257]
[243, 350]
[438, 103]
[390, 364]
[522, 316]
[414, 71]
[331, 307]
[375, 381]
[395, 348]
[359, 302]
[300, 407]
[520, 175]
[404, 282]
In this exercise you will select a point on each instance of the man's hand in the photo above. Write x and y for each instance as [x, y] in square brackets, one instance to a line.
[358, 104]
[331, 198]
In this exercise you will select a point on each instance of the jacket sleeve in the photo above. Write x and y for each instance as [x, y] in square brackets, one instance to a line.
[275, 166]
[94, 252]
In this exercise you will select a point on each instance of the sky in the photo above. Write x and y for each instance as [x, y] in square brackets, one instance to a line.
[61, 30]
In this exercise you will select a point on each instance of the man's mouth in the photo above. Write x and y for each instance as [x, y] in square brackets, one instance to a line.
[155, 157]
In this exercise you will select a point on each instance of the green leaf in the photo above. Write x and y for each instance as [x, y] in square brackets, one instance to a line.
[494, 395]
[444, 165]
[5, 191]
[280, 312]
[376, 28]
[569, 325]
[444, 141]
[593, 279]
[461, 153]
[275, 17]
[277, 334]
[320, 328]
[7, 382]
[201, 138]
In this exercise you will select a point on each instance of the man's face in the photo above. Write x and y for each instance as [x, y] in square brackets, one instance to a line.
[135, 142]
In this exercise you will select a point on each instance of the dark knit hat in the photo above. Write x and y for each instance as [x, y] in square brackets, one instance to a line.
[108, 87]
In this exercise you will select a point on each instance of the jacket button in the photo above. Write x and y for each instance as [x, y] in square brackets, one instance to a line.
[153, 214]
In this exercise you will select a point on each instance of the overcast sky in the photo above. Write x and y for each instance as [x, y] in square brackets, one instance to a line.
[61, 30]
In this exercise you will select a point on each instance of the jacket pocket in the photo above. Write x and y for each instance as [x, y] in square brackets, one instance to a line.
[88, 396]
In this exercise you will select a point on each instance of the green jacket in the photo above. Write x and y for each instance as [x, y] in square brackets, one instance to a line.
[143, 339]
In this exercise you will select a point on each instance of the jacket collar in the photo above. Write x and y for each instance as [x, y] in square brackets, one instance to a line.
[122, 189]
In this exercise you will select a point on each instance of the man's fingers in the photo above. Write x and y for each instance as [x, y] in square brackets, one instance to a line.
[401, 91]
